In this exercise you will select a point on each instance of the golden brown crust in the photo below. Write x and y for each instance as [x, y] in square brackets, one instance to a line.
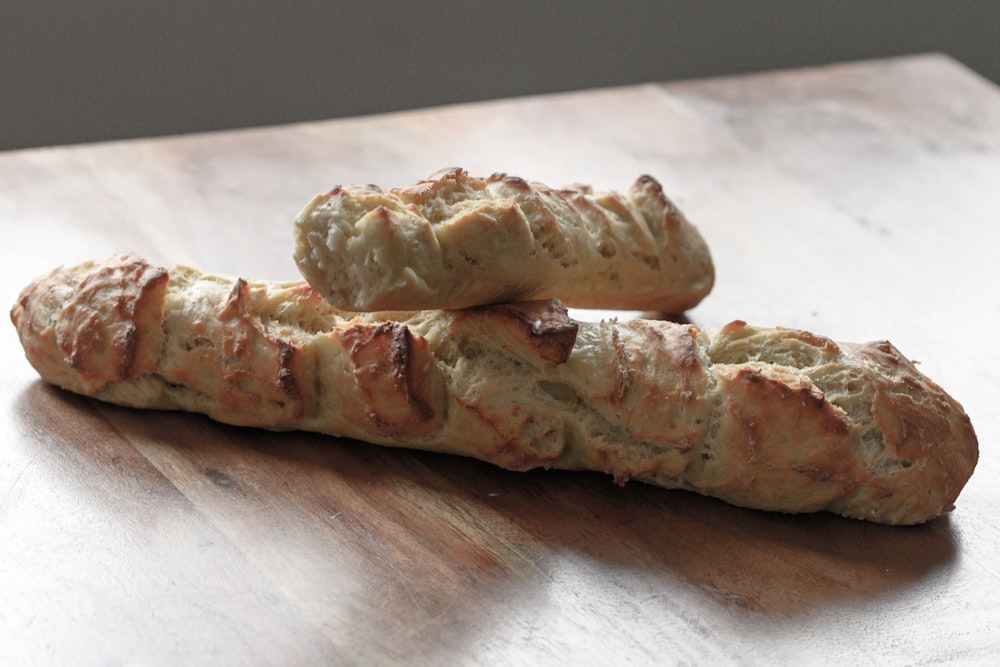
[543, 325]
[775, 419]
[94, 320]
[914, 416]
[392, 369]
[456, 241]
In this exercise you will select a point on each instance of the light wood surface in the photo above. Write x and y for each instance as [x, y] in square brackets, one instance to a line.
[859, 201]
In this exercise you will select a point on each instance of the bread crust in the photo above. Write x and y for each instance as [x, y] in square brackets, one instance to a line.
[457, 241]
[775, 419]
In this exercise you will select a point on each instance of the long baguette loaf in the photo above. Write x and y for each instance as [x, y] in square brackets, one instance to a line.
[766, 418]
[455, 241]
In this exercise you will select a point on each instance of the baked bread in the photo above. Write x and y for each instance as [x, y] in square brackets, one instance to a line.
[774, 419]
[455, 241]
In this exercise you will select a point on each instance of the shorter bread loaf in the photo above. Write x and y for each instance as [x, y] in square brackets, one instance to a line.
[775, 419]
[455, 241]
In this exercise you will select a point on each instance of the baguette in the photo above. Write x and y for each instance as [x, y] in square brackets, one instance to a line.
[455, 241]
[774, 419]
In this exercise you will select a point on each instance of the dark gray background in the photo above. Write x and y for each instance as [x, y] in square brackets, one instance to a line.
[84, 70]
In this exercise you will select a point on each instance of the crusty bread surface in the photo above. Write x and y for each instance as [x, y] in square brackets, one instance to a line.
[457, 241]
[775, 419]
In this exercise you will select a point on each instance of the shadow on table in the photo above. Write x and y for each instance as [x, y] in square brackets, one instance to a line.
[447, 542]
[753, 560]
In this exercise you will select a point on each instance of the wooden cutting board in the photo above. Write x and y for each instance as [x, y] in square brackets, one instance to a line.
[859, 201]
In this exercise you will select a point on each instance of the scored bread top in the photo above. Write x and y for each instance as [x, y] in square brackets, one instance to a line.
[457, 241]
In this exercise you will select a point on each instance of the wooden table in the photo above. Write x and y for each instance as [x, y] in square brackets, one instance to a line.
[859, 201]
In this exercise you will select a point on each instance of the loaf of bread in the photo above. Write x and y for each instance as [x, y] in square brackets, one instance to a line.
[775, 419]
[455, 241]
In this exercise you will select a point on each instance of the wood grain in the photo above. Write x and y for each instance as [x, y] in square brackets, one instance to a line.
[858, 201]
